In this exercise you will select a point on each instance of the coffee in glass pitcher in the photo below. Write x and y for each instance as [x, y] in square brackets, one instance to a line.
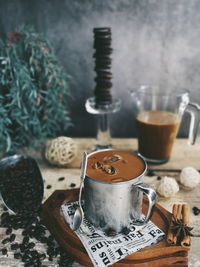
[158, 119]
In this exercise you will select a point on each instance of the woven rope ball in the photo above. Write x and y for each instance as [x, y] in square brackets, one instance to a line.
[61, 151]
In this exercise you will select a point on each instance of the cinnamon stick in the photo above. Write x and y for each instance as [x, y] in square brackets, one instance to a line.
[186, 242]
[179, 229]
[186, 214]
[171, 237]
[179, 212]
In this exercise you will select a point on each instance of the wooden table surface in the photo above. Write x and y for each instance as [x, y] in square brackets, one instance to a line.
[182, 156]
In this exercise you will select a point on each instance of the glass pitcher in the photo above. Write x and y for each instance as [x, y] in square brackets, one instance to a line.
[158, 119]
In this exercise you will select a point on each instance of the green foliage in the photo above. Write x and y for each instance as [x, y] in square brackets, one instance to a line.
[34, 91]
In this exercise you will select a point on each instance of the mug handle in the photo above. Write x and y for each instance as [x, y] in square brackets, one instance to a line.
[194, 111]
[151, 195]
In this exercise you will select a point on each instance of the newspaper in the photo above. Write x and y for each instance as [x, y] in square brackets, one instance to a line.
[104, 250]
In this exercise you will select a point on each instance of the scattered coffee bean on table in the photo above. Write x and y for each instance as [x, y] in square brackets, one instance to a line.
[33, 230]
[126, 230]
[14, 246]
[17, 255]
[72, 185]
[196, 211]
[8, 231]
[110, 232]
[5, 241]
[61, 179]
[12, 237]
[150, 173]
[25, 240]
[4, 251]
[48, 186]
[31, 245]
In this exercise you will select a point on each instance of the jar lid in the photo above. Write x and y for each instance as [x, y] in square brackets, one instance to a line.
[21, 184]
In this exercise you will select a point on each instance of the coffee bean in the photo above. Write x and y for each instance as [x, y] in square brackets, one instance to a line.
[150, 173]
[64, 260]
[72, 185]
[4, 215]
[17, 255]
[22, 247]
[35, 255]
[39, 229]
[42, 256]
[26, 258]
[126, 230]
[50, 251]
[43, 239]
[159, 178]
[8, 231]
[28, 264]
[4, 251]
[196, 211]
[12, 237]
[50, 258]
[31, 245]
[61, 179]
[25, 240]
[110, 232]
[14, 246]
[25, 232]
[37, 262]
[5, 241]
[50, 238]
[48, 186]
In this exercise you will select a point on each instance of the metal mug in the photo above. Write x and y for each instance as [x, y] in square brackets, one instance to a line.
[114, 206]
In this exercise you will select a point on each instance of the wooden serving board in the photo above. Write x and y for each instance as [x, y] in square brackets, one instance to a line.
[161, 254]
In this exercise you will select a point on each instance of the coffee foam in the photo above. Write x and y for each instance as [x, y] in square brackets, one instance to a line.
[114, 166]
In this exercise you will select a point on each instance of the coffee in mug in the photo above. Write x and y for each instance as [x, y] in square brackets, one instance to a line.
[114, 166]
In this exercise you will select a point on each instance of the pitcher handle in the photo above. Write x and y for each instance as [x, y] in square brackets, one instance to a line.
[194, 111]
[151, 195]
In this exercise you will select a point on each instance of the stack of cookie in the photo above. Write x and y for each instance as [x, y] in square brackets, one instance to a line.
[103, 50]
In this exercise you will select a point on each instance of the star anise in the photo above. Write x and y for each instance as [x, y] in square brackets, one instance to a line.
[180, 229]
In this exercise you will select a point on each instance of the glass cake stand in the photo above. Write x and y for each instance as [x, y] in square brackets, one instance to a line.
[103, 137]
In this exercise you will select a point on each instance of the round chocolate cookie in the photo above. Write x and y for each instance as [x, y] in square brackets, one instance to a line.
[103, 50]
[102, 30]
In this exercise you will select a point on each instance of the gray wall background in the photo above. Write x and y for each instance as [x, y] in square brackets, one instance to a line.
[154, 41]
